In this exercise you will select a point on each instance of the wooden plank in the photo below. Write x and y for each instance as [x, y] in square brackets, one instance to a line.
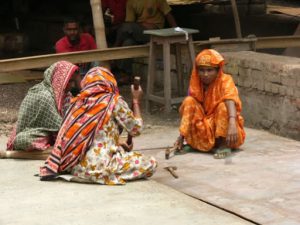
[177, 100]
[74, 57]
[291, 11]
[36, 155]
[278, 42]
[155, 98]
[20, 76]
[135, 52]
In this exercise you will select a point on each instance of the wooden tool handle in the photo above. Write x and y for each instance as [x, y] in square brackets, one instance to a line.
[172, 169]
[136, 85]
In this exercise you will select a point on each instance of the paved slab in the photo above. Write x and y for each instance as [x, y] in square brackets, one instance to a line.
[261, 183]
[27, 201]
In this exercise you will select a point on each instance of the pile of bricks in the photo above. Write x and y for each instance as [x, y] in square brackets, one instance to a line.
[270, 89]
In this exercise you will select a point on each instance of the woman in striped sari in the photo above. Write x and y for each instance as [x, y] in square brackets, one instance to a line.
[88, 145]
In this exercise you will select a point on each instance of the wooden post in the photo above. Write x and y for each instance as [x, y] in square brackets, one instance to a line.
[236, 19]
[99, 27]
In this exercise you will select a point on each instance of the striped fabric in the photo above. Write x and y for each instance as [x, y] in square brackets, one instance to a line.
[89, 111]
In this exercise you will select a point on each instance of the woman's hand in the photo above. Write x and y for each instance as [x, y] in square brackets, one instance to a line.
[136, 93]
[126, 146]
[232, 134]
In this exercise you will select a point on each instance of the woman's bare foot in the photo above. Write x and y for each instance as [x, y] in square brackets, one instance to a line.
[179, 143]
[222, 153]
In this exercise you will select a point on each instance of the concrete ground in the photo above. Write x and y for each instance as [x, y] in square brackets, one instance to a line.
[259, 184]
[26, 200]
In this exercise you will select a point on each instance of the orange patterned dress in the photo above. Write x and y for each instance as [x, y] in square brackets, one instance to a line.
[204, 113]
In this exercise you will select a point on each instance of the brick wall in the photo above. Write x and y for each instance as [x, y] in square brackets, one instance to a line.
[269, 87]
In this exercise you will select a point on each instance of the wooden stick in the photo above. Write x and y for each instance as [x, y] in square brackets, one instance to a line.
[136, 85]
[236, 19]
[99, 27]
[35, 155]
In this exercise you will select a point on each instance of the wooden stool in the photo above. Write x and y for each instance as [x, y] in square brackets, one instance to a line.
[167, 37]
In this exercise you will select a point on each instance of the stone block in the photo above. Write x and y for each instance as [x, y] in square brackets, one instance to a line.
[295, 71]
[273, 77]
[244, 71]
[298, 82]
[287, 81]
[289, 91]
[268, 87]
[231, 68]
[275, 88]
[296, 102]
[245, 77]
[282, 90]
[297, 93]
[258, 80]
[260, 86]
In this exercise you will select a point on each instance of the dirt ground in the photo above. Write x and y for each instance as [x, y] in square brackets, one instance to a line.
[11, 96]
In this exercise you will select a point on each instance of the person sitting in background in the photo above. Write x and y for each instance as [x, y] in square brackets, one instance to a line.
[42, 110]
[74, 41]
[114, 12]
[211, 114]
[141, 15]
[88, 145]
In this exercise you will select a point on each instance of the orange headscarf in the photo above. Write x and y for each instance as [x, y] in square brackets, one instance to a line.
[222, 88]
[88, 113]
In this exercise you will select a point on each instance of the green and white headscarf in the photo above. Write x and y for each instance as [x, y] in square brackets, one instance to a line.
[41, 112]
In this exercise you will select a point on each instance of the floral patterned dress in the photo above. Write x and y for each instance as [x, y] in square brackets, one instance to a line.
[106, 162]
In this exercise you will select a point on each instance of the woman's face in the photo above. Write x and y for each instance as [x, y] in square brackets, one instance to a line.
[74, 83]
[207, 74]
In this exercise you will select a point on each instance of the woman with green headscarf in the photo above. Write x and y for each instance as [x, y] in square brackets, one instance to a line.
[42, 110]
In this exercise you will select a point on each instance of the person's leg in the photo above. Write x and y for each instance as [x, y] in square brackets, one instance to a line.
[194, 126]
[138, 34]
[123, 33]
[222, 149]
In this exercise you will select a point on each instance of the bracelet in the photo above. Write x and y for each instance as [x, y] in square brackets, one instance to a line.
[135, 102]
[232, 117]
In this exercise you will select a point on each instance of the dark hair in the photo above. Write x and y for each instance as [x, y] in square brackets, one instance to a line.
[70, 20]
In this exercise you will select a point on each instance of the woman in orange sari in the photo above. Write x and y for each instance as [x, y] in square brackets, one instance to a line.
[87, 146]
[211, 113]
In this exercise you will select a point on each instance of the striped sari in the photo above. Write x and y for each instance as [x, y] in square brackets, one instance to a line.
[87, 140]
